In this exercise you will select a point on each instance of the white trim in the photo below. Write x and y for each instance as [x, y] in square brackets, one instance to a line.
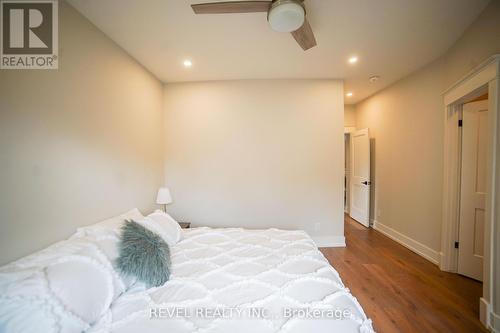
[411, 244]
[494, 322]
[492, 269]
[347, 191]
[451, 187]
[441, 260]
[484, 312]
[329, 241]
[483, 72]
[349, 129]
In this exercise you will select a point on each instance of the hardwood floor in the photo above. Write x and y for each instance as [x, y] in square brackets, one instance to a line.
[401, 291]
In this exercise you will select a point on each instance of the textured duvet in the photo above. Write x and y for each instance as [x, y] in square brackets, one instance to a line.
[237, 280]
[222, 280]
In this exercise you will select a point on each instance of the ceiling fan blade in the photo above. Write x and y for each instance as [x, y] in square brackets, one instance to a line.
[231, 7]
[305, 36]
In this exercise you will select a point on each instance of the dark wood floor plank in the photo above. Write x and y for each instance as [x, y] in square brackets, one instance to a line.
[401, 291]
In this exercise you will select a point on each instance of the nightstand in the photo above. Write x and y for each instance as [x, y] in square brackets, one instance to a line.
[185, 225]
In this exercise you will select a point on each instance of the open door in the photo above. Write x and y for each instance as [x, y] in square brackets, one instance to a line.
[473, 189]
[360, 177]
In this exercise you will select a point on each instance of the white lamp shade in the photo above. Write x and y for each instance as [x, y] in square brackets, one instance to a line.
[163, 197]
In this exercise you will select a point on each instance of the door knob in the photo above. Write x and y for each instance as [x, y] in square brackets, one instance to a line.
[366, 183]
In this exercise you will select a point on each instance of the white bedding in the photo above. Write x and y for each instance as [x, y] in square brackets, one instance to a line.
[237, 280]
[223, 280]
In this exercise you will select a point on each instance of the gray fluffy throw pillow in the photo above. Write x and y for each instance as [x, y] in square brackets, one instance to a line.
[144, 255]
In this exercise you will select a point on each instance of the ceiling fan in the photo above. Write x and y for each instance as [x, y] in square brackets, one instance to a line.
[282, 15]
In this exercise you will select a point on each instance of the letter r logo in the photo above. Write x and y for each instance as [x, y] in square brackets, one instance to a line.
[27, 27]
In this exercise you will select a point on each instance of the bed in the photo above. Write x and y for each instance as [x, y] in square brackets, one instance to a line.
[223, 280]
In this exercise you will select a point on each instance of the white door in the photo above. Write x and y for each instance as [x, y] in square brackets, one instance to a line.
[473, 189]
[360, 177]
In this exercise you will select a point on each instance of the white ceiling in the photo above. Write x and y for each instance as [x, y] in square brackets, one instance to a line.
[391, 37]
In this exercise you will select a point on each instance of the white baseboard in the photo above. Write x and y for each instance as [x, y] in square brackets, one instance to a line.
[329, 241]
[484, 312]
[411, 244]
[494, 322]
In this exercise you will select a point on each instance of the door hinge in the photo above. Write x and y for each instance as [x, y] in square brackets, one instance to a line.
[460, 123]
[456, 245]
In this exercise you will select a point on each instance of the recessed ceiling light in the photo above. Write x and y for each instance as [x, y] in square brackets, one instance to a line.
[349, 94]
[188, 63]
[353, 60]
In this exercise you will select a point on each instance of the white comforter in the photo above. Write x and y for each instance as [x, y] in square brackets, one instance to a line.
[237, 280]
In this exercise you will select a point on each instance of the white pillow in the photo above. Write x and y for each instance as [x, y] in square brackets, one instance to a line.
[164, 225]
[112, 224]
[82, 287]
[65, 288]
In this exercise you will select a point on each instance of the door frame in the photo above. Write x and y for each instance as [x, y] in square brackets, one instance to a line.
[347, 174]
[485, 77]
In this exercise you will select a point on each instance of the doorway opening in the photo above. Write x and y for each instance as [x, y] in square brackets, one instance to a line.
[471, 187]
[347, 171]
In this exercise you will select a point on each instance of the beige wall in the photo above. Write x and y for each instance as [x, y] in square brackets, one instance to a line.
[257, 154]
[480, 41]
[349, 115]
[77, 144]
[406, 124]
[406, 130]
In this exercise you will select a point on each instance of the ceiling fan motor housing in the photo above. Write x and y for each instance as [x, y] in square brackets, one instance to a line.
[286, 15]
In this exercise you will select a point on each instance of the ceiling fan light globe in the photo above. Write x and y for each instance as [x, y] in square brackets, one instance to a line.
[286, 16]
